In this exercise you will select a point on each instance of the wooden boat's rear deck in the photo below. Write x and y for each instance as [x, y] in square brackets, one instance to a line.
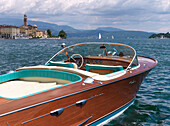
[19, 88]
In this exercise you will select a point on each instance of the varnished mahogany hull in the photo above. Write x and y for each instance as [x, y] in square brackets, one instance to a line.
[101, 100]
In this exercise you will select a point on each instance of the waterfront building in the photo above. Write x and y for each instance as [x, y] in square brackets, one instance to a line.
[32, 30]
[13, 32]
[9, 31]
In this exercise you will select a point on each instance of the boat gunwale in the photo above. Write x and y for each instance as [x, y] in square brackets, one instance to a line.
[51, 100]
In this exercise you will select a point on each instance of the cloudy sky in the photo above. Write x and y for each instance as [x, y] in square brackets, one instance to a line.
[143, 15]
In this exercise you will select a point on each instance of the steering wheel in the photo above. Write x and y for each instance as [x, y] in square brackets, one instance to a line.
[78, 62]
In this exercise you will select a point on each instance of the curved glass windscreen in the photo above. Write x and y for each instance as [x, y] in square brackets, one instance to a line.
[105, 50]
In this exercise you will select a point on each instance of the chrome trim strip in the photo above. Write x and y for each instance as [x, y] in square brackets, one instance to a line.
[1, 115]
[84, 121]
[129, 67]
[7, 124]
[60, 108]
[35, 118]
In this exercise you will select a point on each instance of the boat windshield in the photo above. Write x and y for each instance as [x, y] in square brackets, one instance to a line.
[105, 50]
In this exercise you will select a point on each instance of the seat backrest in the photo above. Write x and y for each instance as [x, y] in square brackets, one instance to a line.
[65, 69]
[63, 64]
[103, 67]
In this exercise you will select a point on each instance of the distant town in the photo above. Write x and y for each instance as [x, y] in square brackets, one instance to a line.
[27, 32]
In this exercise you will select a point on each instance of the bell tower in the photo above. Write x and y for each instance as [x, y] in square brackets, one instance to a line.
[25, 20]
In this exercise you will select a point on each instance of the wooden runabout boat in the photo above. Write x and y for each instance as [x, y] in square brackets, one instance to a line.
[83, 84]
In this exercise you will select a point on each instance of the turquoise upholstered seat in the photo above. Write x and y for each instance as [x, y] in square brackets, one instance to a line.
[63, 64]
[23, 83]
[103, 67]
[40, 73]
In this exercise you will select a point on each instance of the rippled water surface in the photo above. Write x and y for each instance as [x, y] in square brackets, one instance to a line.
[152, 105]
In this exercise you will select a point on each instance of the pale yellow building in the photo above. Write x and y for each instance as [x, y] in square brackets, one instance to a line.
[9, 31]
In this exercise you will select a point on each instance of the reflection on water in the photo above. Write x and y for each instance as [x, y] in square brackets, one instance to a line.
[152, 103]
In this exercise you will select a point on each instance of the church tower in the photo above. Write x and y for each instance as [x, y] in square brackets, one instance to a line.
[25, 20]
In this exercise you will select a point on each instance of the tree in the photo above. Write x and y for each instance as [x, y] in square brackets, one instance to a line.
[160, 35]
[49, 33]
[62, 34]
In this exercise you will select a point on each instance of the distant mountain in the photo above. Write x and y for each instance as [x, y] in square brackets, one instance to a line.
[107, 32]
[11, 21]
[53, 27]
[131, 34]
[109, 29]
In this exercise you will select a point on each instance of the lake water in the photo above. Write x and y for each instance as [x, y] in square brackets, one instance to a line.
[152, 105]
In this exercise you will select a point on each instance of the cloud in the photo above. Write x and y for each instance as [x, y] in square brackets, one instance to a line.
[127, 14]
